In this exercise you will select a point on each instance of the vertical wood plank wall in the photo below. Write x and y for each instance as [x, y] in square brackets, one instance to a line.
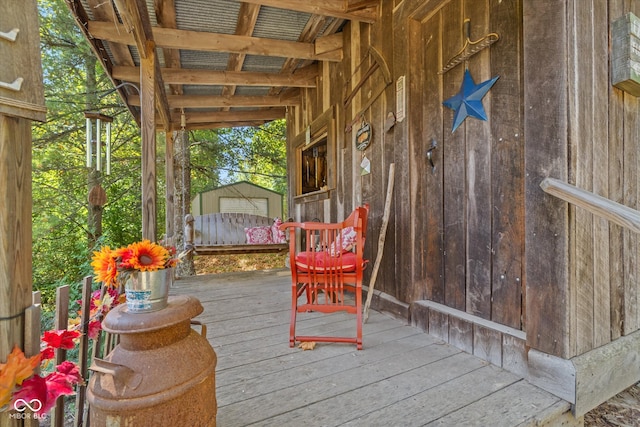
[476, 233]
[468, 211]
[603, 146]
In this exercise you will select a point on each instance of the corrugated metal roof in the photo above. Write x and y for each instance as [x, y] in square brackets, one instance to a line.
[219, 16]
[270, 24]
[254, 57]
[204, 60]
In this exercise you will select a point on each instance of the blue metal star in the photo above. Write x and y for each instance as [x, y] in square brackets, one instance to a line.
[468, 102]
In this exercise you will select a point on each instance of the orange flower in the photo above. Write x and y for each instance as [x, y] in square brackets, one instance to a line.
[104, 266]
[147, 256]
[140, 256]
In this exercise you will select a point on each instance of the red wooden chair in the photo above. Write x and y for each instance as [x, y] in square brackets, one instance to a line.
[326, 270]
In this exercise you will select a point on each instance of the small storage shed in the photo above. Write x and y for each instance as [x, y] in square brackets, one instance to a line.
[239, 197]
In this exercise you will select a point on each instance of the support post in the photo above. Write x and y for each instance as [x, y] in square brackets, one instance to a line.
[148, 130]
[170, 189]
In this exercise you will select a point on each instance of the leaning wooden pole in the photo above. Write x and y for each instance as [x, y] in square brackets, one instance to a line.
[381, 239]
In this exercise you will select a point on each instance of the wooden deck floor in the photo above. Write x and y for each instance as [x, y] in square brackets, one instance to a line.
[402, 377]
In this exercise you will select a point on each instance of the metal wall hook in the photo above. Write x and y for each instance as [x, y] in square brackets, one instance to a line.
[15, 86]
[11, 35]
[430, 151]
[470, 47]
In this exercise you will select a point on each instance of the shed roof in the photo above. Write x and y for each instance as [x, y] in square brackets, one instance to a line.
[238, 183]
[219, 63]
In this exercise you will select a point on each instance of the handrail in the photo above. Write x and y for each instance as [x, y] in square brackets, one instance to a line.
[597, 205]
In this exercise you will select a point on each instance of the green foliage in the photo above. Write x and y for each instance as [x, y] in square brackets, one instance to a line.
[75, 82]
[225, 156]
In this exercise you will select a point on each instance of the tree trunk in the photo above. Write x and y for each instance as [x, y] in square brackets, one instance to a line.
[182, 170]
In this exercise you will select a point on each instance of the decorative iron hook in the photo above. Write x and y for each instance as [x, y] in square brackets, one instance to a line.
[434, 145]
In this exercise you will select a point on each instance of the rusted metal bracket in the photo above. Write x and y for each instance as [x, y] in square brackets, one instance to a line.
[378, 63]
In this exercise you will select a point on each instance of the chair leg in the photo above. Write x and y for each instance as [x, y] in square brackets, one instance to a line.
[294, 311]
[308, 291]
[359, 319]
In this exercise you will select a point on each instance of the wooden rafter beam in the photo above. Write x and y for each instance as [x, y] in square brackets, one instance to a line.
[98, 47]
[213, 42]
[247, 18]
[224, 125]
[182, 76]
[104, 11]
[310, 32]
[166, 18]
[136, 22]
[206, 101]
[362, 11]
[136, 18]
[232, 116]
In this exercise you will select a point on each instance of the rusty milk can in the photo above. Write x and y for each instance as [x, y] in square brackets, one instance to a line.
[162, 373]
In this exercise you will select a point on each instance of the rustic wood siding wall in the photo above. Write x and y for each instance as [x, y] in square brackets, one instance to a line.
[353, 189]
[582, 278]
[478, 234]
[604, 143]
[466, 214]
[409, 35]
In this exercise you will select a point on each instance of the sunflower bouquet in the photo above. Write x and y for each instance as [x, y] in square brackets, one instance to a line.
[113, 266]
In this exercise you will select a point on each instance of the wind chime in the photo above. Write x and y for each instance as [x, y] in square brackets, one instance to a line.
[95, 139]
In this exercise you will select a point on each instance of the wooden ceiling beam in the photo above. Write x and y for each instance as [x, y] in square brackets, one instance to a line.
[361, 11]
[136, 22]
[247, 18]
[135, 15]
[204, 101]
[310, 32]
[99, 49]
[212, 101]
[182, 76]
[213, 42]
[166, 18]
[104, 11]
[231, 116]
[223, 125]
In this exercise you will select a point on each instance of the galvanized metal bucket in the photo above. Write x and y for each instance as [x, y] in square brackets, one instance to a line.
[148, 290]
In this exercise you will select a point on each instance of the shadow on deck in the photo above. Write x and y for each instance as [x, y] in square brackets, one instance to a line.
[401, 377]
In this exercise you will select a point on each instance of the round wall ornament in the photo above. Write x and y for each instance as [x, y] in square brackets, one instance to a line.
[363, 136]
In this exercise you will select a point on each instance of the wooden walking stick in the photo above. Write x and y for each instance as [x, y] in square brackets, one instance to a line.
[381, 238]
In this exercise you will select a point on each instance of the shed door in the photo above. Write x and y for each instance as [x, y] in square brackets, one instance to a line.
[473, 205]
[249, 205]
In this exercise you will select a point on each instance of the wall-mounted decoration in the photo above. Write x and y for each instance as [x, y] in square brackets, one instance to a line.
[400, 99]
[625, 60]
[378, 63]
[10, 35]
[390, 121]
[365, 166]
[468, 101]
[470, 47]
[363, 136]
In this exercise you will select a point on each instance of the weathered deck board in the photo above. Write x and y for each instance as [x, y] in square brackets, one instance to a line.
[402, 377]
